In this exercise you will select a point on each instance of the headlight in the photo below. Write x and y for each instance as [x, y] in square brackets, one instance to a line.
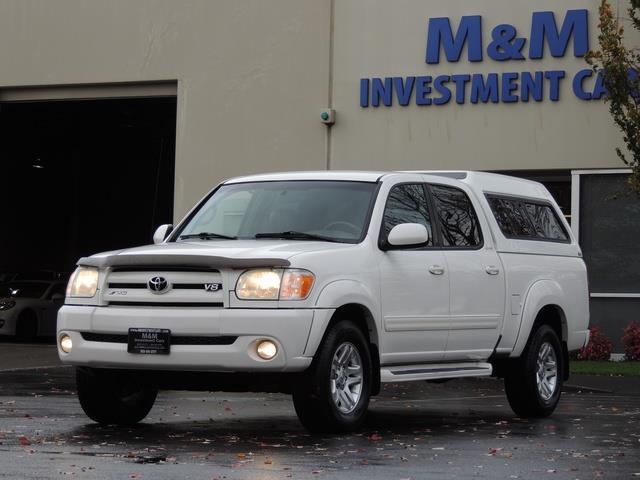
[83, 282]
[259, 285]
[6, 304]
[287, 284]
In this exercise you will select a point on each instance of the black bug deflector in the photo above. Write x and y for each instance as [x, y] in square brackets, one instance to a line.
[187, 261]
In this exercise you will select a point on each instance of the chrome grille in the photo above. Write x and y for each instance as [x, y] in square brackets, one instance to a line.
[134, 287]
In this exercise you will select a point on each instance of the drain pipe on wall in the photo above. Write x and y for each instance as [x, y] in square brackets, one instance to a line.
[328, 115]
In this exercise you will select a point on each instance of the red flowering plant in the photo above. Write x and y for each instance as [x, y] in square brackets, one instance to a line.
[598, 348]
[631, 341]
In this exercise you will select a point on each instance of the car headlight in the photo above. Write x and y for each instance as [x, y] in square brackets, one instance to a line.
[274, 284]
[83, 282]
[6, 304]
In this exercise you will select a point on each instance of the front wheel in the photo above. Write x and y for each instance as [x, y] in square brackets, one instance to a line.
[534, 384]
[334, 393]
[113, 397]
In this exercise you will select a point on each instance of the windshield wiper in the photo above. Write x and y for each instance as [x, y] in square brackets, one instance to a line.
[293, 235]
[207, 236]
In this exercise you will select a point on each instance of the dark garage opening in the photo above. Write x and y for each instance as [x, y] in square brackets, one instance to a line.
[80, 177]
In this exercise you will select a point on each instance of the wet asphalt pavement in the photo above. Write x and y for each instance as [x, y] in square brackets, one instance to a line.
[460, 429]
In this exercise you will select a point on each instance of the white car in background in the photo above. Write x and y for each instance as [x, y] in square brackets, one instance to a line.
[28, 308]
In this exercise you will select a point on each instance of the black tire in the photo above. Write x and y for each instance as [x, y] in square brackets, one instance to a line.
[313, 398]
[27, 326]
[526, 398]
[113, 398]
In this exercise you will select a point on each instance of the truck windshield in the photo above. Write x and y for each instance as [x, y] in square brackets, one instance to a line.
[334, 211]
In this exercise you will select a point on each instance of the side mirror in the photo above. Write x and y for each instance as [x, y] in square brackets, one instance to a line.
[162, 232]
[408, 235]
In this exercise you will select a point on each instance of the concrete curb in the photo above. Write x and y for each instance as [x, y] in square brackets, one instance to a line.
[26, 369]
[619, 385]
[583, 388]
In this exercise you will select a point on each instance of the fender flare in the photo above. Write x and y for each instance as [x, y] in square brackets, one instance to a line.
[540, 294]
[335, 295]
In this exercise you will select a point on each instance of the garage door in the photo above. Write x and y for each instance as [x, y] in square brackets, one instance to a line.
[79, 177]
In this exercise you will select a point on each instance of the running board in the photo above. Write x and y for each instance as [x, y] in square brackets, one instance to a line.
[433, 371]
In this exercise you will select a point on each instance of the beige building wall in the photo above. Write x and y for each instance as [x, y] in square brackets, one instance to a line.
[253, 75]
[380, 38]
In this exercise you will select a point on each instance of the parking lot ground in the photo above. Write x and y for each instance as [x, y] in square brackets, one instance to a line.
[459, 429]
[15, 355]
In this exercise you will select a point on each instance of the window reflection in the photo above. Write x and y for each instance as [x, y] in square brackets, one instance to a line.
[407, 204]
[510, 217]
[457, 218]
[545, 222]
[522, 218]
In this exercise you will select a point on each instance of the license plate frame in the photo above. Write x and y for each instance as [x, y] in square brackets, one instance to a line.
[149, 341]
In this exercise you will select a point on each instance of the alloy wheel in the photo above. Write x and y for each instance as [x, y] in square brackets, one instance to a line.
[346, 378]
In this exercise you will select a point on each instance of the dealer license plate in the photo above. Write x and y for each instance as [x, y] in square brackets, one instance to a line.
[150, 341]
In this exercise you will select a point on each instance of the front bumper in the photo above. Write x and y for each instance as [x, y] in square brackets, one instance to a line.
[288, 328]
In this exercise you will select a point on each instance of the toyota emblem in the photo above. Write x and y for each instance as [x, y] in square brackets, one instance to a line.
[158, 284]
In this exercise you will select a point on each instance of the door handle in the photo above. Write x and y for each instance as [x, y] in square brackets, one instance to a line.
[491, 270]
[436, 269]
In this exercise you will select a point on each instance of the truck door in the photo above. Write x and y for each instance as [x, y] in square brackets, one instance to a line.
[414, 285]
[476, 276]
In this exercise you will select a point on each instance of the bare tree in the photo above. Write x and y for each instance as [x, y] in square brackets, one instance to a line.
[619, 65]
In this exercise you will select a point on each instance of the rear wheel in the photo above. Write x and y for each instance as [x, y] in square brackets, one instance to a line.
[335, 391]
[534, 383]
[109, 397]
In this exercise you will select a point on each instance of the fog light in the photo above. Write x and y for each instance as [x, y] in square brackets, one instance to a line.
[267, 350]
[1, 323]
[65, 343]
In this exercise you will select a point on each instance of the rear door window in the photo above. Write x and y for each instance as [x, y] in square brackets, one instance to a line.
[457, 219]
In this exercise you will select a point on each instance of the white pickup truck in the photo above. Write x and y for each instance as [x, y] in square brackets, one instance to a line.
[326, 284]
